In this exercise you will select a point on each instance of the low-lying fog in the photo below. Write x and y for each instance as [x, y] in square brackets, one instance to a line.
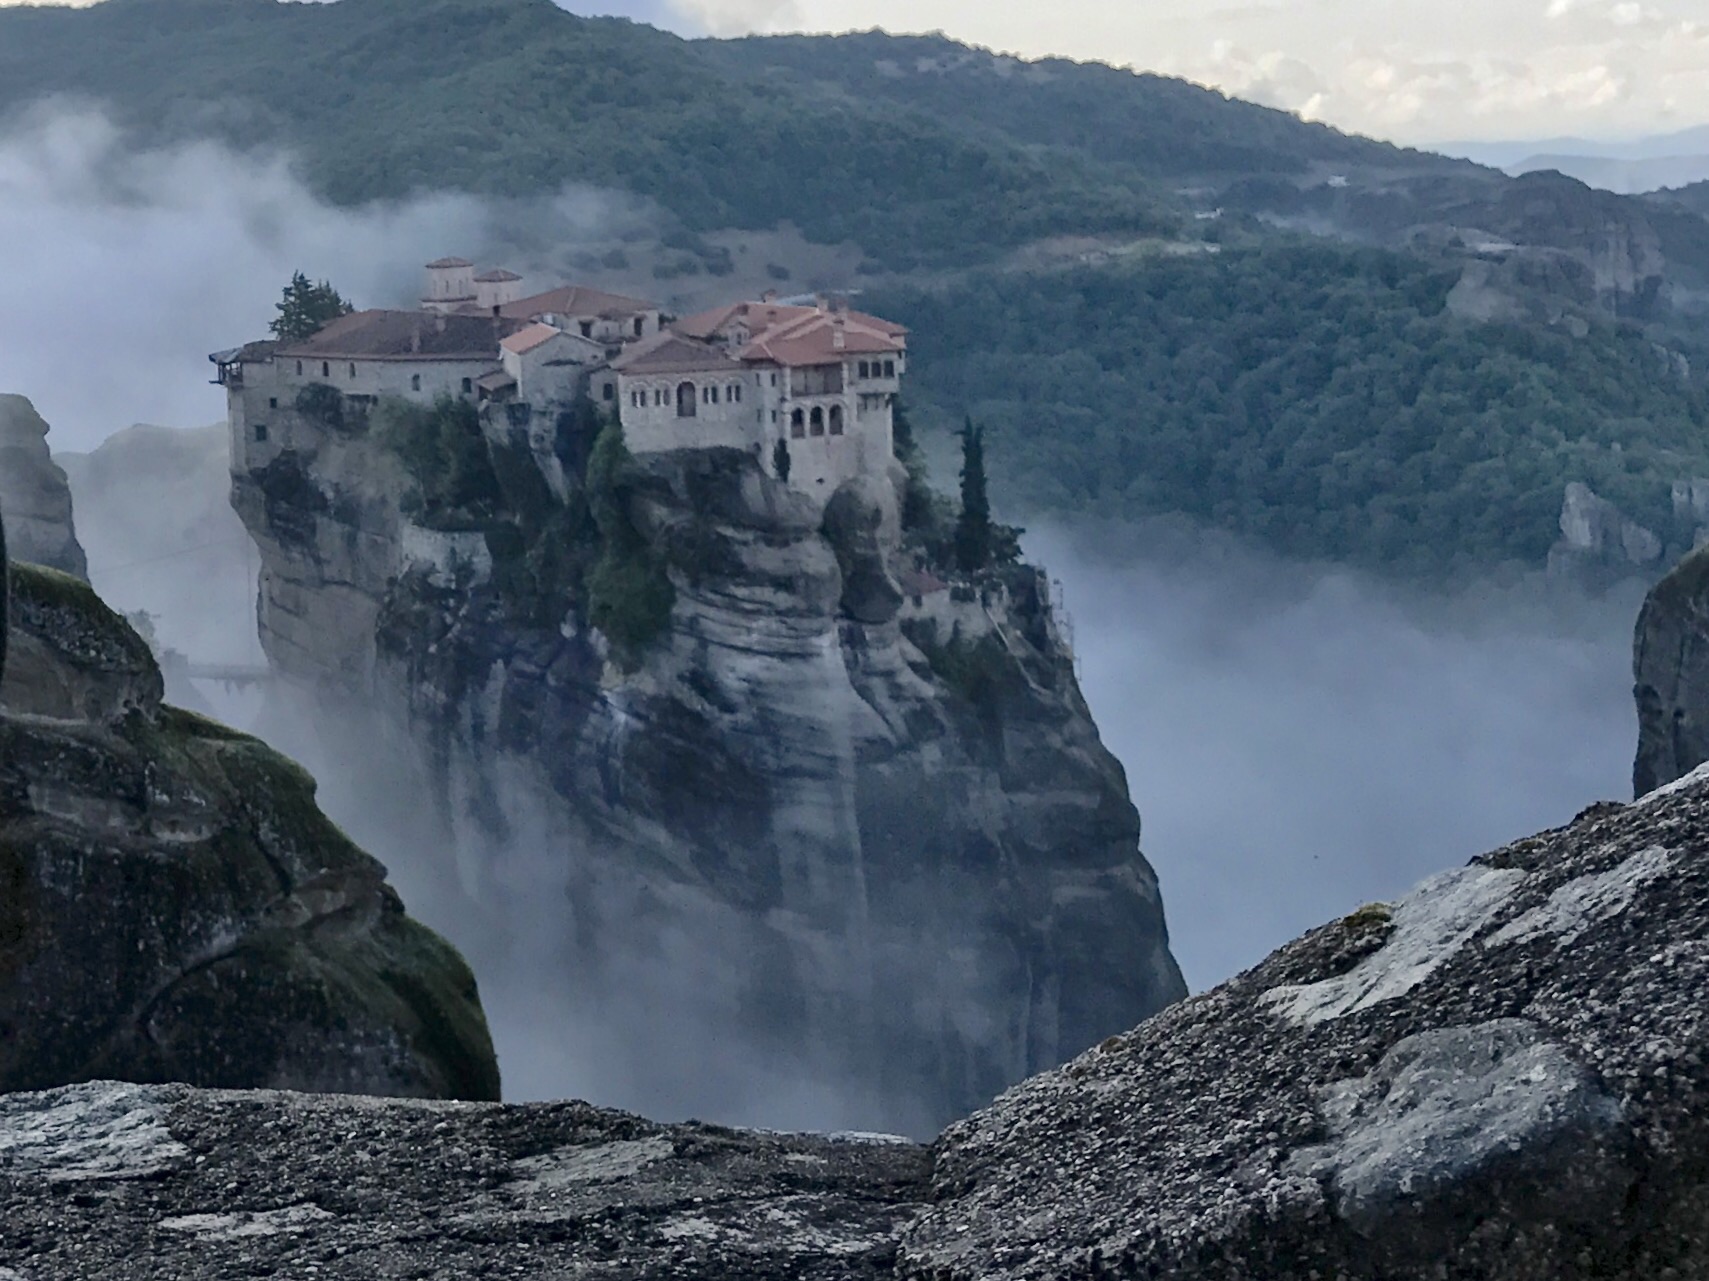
[1301, 740]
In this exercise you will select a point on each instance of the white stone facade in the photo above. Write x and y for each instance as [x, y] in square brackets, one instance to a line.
[836, 423]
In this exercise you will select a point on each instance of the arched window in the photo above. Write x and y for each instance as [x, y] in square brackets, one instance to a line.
[836, 420]
[686, 401]
[299, 369]
[325, 369]
[736, 392]
[415, 382]
[468, 386]
[712, 394]
[797, 424]
[611, 392]
[816, 423]
[353, 369]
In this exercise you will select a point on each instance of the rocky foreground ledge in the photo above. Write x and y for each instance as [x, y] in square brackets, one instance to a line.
[1504, 1076]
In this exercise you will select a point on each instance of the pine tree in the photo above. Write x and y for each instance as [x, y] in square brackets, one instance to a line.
[307, 308]
[973, 527]
[780, 460]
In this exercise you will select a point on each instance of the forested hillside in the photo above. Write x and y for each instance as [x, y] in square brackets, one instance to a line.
[1319, 399]
[380, 98]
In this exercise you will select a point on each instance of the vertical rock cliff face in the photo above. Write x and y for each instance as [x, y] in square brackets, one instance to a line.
[870, 839]
[34, 493]
[1670, 669]
[173, 906]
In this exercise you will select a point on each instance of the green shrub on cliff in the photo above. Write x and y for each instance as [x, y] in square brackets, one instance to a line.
[445, 453]
[629, 594]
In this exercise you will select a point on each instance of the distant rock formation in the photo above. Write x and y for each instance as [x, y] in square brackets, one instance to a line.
[867, 845]
[1599, 542]
[1670, 670]
[34, 494]
[1501, 1076]
[173, 906]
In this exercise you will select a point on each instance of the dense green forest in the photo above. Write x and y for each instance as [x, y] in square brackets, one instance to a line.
[1316, 398]
[380, 98]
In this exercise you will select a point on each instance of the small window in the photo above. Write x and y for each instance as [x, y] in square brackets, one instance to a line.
[890, 369]
[468, 386]
[816, 423]
[773, 379]
[836, 420]
[587, 329]
[272, 402]
[685, 401]
[736, 392]
[640, 325]
[866, 369]
[415, 382]
[325, 369]
[260, 433]
[797, 424]
[611, 393]
[659, 396]
[299, 369]
[353, 369]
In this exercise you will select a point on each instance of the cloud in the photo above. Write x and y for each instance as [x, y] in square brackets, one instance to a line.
[1301, 740]
[125, 269]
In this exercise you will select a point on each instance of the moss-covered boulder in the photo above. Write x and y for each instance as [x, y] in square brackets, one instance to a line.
[175, 907]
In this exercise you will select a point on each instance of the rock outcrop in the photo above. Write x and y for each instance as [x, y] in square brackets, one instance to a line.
[833, 837]
[1670, 671]
[174, 907]
[1502, 1076]
[1599, 542]
[128, 1183]
[34, 493]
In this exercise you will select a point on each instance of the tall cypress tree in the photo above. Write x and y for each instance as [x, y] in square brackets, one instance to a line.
[973, 527]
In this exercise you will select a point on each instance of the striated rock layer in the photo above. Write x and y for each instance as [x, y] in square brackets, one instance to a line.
[843, 835]
[34, 493]
[173, 906]
[1503, 1076]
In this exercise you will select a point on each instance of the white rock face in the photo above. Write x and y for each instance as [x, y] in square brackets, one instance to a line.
[34, 494]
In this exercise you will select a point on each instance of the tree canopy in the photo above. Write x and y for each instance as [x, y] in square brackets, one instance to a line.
[307, 308]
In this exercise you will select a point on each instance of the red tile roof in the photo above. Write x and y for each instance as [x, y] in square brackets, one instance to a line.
[577, 300]
[671, 353]
[449, 262]
[497, 276]
[526, 340]
[760, 316]
[820, 338]
[406, 335]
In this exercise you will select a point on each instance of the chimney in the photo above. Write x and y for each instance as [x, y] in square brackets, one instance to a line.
[839, 335]
[769, 296]
[820, 302]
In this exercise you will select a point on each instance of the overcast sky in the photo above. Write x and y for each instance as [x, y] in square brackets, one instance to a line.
[1411, 70]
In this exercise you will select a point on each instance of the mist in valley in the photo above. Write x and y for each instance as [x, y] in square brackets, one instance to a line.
[1299, 740]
